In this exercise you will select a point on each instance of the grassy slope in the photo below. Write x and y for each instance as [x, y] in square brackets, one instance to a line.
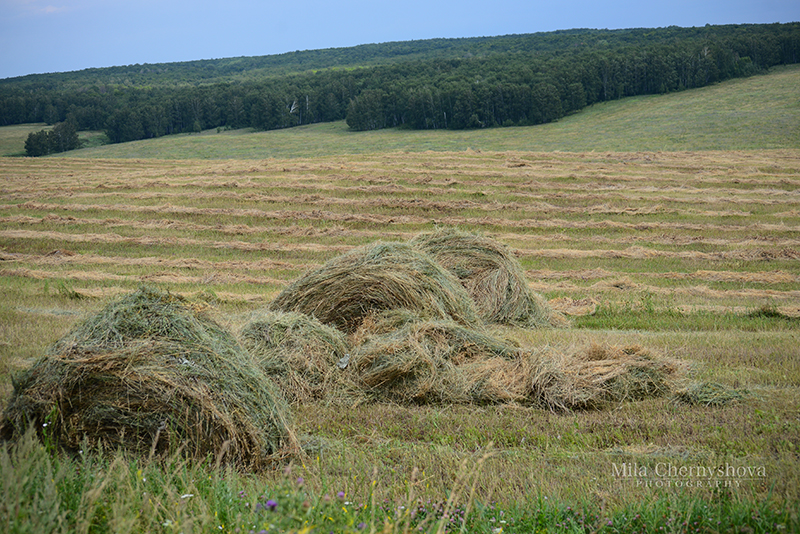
[681, 250]
[742, 114]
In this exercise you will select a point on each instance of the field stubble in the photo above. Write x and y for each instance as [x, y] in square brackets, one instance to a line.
[701, 249]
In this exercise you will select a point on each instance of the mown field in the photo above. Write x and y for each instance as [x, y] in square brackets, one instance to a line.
[690, 253]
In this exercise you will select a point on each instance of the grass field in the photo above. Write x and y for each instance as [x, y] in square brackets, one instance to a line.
[676, 237]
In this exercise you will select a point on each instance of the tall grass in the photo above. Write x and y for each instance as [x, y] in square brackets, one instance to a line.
[45, 492]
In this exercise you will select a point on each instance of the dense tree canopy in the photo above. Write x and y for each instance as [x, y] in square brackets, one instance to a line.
[440, 83]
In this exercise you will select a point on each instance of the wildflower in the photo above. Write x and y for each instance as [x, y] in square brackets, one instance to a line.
[300, 481]
[340, 495]
[361, 526]
[271, 505]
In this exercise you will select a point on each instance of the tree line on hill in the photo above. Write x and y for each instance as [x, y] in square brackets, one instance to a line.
[449, 84]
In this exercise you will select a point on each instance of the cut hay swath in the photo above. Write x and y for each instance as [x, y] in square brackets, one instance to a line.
[152, 374]
[374, 278]
[492, 276]
[298, 350]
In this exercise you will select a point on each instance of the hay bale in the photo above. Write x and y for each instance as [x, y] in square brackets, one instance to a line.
[151, 374]
[146, 314]
[374, 278]
[492, 276]
[301, 352]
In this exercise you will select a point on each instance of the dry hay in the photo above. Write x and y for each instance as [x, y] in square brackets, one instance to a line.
[574, 307]
[492, 276]
[414, 360]
[426, 361]
[151, 373]
[415, 335]
[298, 350]
[373, 278]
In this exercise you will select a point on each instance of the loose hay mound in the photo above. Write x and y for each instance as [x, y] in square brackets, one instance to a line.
[374, 278]
[151, 374]
[300, 351]
[491, 275]
[442, 362]
[601, 374]
[421, 360]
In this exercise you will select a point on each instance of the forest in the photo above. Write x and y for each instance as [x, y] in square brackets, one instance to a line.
[430, 84]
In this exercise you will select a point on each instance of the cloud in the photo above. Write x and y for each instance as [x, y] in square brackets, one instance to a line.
[37, 7]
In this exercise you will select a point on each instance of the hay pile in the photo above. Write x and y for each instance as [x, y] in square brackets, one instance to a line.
[416, 319]
[420, 360]
[151, 373]
[492, 276]
[596, 375]
[427, 361]
[298, 350]
[375, 278]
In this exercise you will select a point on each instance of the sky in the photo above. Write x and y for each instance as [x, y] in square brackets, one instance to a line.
[38, 36]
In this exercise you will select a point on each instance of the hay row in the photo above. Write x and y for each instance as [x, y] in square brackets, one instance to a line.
[361, 234]
[533, 203]
[329, 216]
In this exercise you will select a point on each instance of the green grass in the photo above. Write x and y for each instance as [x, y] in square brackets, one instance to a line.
[710, 118]
[12, 138]
[91, 493]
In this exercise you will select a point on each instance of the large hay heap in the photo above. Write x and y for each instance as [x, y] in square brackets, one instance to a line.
[374, 278]
[416, 317]
[152, 374]
[491, 275]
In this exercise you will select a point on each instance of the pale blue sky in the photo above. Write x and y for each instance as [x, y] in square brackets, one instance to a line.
[39, 36]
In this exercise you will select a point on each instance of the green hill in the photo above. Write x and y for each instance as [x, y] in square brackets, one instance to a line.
[760, 112]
